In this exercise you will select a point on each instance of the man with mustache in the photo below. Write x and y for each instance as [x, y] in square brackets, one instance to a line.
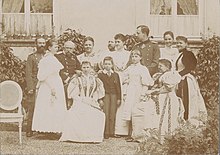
[149, 49]
[31, 80]
[71, 65]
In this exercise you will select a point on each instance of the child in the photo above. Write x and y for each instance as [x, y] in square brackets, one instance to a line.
[112, 99]
[170, 106]
[136, 81]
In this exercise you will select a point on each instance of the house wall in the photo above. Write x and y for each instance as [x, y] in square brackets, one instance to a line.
[101, 19]
[212, 17]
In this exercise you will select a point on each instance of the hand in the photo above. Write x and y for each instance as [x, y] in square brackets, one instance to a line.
[31, 91]
[124, 97]
[101, 104]
[78, 72]
[118, 103]
[69, 103]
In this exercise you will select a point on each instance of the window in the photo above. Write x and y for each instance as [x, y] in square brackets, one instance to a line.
[26, 17]
[183, 17]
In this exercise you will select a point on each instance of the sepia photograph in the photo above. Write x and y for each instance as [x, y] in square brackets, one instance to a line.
[106, 77]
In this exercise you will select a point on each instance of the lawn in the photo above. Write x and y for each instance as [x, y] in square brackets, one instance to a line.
[40, 144]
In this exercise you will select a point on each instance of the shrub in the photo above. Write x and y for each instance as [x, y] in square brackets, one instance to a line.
[190, 139]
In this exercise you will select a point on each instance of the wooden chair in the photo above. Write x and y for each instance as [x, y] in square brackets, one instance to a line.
[10, 99]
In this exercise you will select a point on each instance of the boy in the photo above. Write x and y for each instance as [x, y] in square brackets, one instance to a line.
[112, 98]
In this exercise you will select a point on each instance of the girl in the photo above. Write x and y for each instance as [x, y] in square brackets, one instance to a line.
[84, 121]
[136, 81]
[112, 99]
[170, 106]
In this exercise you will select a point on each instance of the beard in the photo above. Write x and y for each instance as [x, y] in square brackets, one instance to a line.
[111, 48]
[40, 49]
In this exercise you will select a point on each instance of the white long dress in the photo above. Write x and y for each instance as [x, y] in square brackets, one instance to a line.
[49, 110]
[171, 107]
[120, 59]
[84, 121]
[137, 78]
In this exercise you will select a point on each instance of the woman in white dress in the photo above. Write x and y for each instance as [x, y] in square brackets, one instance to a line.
[50, 98]
[84, 121]
[120, 58]
[169, 52]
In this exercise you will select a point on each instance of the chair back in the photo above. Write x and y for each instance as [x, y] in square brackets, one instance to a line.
[10, 95]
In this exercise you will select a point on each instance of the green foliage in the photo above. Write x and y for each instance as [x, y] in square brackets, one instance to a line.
[189, 139]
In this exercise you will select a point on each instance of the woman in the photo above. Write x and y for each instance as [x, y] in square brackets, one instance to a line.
[188, 88]
[50, 99]
[89, 55]
[120, 58]
[84, 121]
[168, 52]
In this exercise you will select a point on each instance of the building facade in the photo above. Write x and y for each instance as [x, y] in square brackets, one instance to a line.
[102, 19]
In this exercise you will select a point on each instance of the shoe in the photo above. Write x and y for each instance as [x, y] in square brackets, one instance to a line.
[106, 137]
[29, 134]
[117, 136]
[130, 140]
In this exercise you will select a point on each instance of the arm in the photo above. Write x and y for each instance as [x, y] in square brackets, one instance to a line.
[189, 61]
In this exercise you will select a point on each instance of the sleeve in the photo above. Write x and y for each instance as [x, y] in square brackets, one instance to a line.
[100, 91]
[155, 59]
[118, 87]
[125, 80]
[146, 80]
[29, 73]
[78, 64]
[73, 89]
[48, 66]
[189, 61]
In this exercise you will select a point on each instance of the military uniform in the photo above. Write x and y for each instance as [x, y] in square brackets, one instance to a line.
[71, 64]
[150, 55]
[31, 80]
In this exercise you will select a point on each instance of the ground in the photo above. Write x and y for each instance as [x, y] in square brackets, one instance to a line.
[39, 144]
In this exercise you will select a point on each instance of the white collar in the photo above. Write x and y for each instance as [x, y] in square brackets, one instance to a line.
[105, 71]
[137, 64]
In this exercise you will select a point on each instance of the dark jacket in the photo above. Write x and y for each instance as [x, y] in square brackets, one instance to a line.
[32, 69]
[111, 83]
[70, 63]
[189, 61]
[150, 55]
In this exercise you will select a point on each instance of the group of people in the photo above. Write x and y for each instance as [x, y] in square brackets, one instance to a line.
[91, 97]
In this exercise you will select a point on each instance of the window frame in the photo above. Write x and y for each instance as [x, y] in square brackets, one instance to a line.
[27, 16]
[174, 16]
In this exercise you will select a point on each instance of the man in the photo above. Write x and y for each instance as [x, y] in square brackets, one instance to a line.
[31, 80]
[71, 65]
[111, 45]
[149, 49]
